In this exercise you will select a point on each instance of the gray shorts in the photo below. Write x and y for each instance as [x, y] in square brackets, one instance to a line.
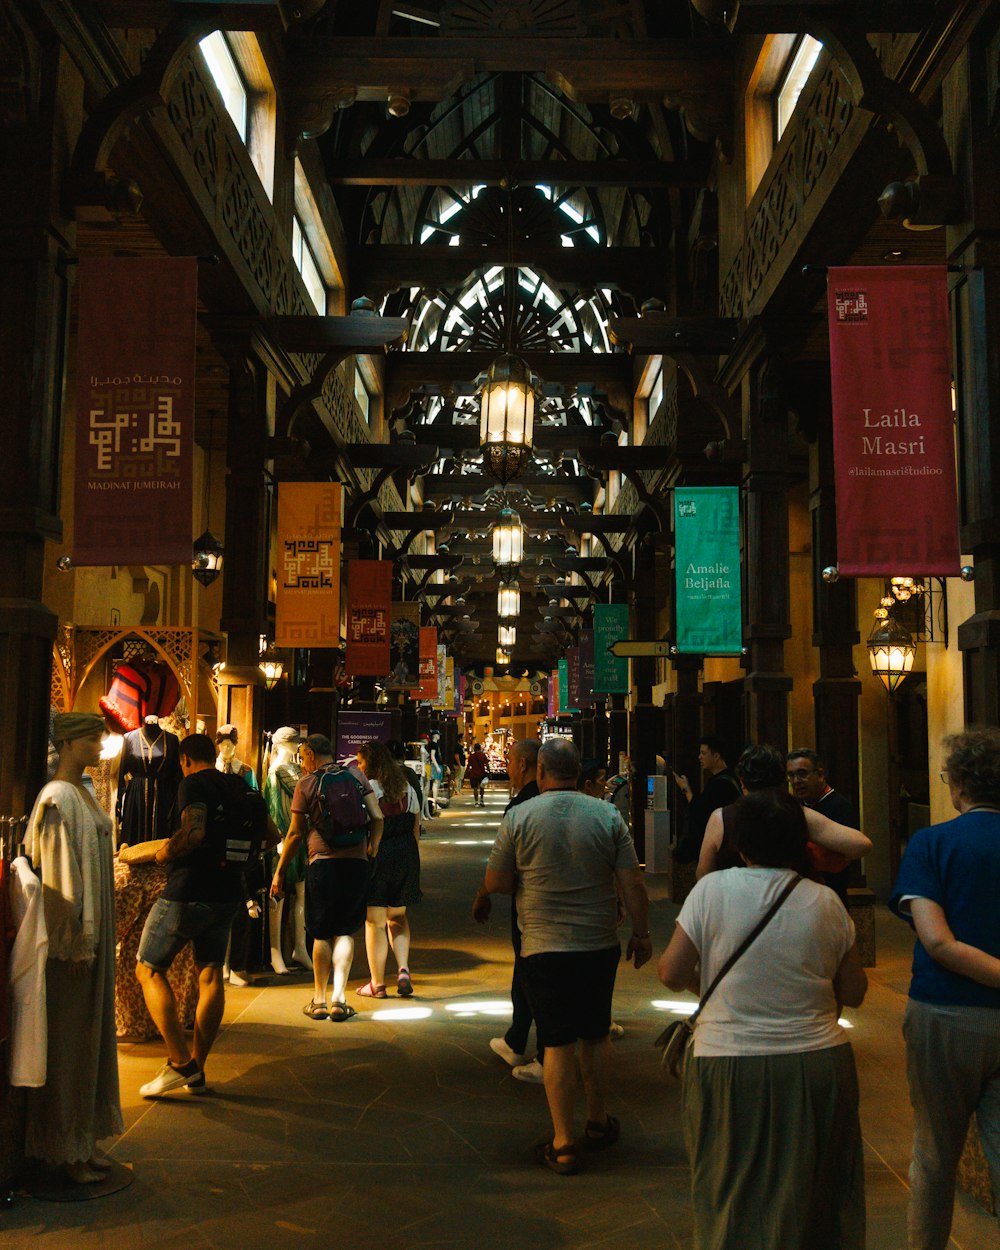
[171, 924]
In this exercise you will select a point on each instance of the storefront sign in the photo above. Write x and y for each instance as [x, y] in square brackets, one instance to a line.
[610, 624]
[135, 410]
[893, 427]
[573, 676]
[353, 728]
[587, 668]
[307, 602]
[442, 676]
[404, 647]
[428, 663]
[449, 684]
[369, 613]
[707, 570]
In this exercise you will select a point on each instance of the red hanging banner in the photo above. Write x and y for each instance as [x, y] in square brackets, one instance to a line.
[893, 429]
[135, 410]
[428, 663]
[369, 614]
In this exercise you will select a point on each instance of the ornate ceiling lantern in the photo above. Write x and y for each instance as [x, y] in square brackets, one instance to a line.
[507, 418]
[509, 601]
[891, 651]
[503, 657]
[272, 666]
[206, 558]
[508, 542]
[507, 636]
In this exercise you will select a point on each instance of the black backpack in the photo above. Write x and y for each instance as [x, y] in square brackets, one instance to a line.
[239, 823]
[344, 820]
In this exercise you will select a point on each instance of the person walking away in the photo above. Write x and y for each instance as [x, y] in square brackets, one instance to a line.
[459, 760]
[476, 773]
[395, 880]
[337, 872]
[223, 824]
[522, 767]
[947, 889]
[562, 852]
[770, 1090]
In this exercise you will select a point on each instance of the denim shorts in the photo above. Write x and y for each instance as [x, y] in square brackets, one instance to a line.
[171, 924]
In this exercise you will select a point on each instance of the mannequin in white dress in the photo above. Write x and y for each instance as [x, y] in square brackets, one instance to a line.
[282, 774]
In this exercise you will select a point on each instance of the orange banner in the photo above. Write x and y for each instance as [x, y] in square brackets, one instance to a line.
[369, 616]
[307, 602]
[428, 663]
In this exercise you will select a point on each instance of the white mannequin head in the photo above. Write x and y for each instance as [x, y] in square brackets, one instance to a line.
[284, 747]
[225, 742]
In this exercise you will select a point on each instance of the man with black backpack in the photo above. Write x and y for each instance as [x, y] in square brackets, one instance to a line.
[223, 823]
[337, 813]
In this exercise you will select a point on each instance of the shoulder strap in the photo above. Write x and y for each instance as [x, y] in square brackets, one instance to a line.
[747, 942]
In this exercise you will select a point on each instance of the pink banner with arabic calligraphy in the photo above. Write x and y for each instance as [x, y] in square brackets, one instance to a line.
[135, 410]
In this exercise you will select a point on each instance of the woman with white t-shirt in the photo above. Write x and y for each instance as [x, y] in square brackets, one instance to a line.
[395, 880]
[770, 1091]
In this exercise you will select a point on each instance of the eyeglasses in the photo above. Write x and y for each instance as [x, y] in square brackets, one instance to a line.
[944, 777]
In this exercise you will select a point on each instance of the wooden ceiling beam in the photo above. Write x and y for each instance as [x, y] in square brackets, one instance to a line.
[437, 485]
[431, 68]
[257, 15]
[764, 17]
[547, 438]
[414, 172]
[657, 334]
[378, 268]
[356, 333]
[606, 370]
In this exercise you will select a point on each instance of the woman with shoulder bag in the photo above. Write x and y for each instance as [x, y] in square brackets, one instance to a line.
[770, 1092]
[395, 882]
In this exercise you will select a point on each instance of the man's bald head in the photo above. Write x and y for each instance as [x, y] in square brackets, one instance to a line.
[522, 761]
[558, 765]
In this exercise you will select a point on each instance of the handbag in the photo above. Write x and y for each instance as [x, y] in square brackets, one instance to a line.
[678, 1035]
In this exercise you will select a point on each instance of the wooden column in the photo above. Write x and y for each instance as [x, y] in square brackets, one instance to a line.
[34, 297]
[645, 727]
[766, 560]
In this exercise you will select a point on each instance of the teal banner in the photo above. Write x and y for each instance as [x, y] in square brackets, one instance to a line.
[564, 688]
[707, 563]
[610, 625]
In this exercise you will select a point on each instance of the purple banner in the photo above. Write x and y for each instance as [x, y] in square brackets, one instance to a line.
[573, 676]
[353, 728]
[587, 698]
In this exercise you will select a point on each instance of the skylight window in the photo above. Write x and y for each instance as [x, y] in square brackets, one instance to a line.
[305, 262]
[228, 79]
[796, 77]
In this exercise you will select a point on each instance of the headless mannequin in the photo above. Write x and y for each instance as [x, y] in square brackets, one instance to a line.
[284, 756]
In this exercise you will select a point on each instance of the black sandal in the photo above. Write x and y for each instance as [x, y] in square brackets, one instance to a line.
[599, 1136]
[565, 1161]
[339, 1012]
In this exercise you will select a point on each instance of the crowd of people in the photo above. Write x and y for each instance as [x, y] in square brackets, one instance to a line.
[770, 1099]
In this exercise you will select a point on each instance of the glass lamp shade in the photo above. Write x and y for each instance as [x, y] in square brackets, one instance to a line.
[509, 601]
[506, 418]
[272, 667]
[507, 636]
[206, 558]
[508, 540]
[503, 657]
[891, 651]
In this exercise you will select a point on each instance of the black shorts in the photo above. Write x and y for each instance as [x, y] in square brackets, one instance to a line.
[570, 994]
[336, 897]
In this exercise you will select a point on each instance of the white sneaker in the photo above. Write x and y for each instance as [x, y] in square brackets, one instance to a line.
[168, 1078]
[500, 1047]
[532, 1072]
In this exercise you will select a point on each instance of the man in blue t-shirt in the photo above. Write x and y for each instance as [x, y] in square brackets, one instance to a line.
[948, 889]
[204, 891]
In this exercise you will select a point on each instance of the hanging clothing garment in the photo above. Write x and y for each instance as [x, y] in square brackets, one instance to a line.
[140, 688]
[28, 1040]
[238, 769]
[278, 790]
[148, 778]
[69, 839]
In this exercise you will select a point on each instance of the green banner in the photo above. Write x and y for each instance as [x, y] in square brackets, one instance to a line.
[707, 564]
[564, 706]
[610, 625]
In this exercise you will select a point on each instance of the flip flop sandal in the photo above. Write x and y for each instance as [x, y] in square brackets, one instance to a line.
[404, 986]
[371, 990]
[315, 1011]
[599, 1136]
[565, 1161]
[340, 1012]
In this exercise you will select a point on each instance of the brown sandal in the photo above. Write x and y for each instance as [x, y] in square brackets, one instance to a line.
[598, 1136]
[565, 1161]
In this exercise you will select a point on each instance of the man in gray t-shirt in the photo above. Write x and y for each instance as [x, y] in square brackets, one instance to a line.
[563, 850]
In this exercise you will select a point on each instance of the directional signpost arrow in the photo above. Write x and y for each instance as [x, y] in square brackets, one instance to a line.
[627, 647]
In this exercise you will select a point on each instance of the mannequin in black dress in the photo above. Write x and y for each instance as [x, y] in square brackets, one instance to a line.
[148, 778]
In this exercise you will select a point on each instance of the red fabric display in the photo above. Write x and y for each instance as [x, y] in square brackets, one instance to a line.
[140, 688]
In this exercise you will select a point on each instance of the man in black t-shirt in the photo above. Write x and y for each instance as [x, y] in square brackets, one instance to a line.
[204, 891]
[721, 788]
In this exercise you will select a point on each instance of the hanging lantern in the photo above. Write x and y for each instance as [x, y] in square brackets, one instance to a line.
[891, 651]
[509, 601]
[503, 657]
[507, 417]
[508, 541]
[272, 666]
[206, 558]
[507, 636]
